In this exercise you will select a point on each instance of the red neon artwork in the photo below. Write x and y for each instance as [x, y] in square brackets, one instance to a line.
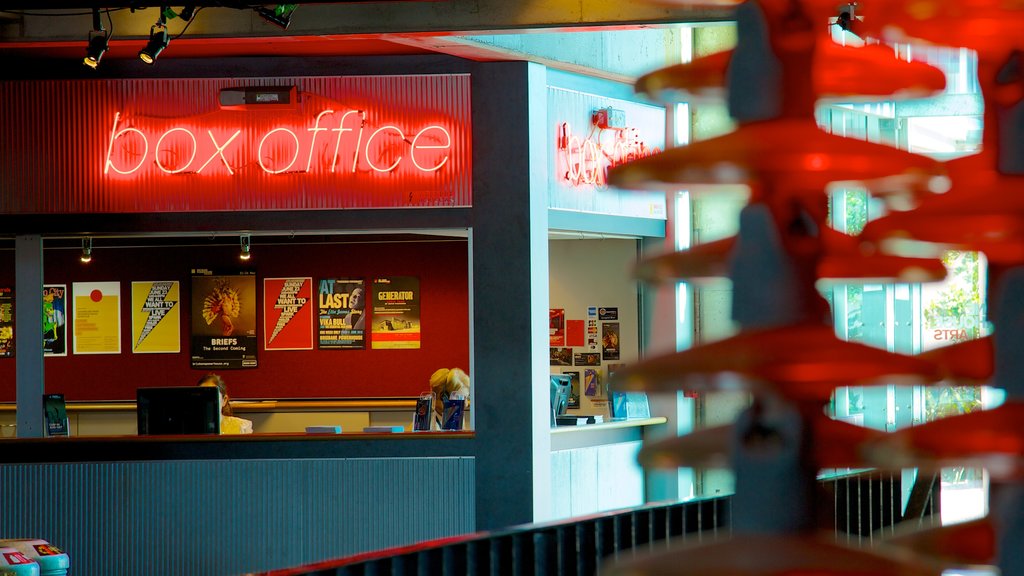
[586, 160]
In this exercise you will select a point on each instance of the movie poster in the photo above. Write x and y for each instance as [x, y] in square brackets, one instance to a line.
[396, 313]
[342, 317]
[288, 313]
[55, 327]
[223, 319]
[156, 317]
[96, 317]
[574, 389]
[591, 383]
[556, 327]
[6, 322]
[609, 340]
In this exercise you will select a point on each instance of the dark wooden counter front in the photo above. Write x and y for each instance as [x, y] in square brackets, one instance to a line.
[233, 447]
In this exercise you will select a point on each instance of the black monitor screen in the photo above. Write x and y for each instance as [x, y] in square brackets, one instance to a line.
[178, 410]
[560, 388]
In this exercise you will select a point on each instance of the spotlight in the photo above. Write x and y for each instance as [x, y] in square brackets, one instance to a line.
[246, 252]
[280, 15]
[86, 256]
[158, 40]
[97, 42]
[187, 13]
[94, 52]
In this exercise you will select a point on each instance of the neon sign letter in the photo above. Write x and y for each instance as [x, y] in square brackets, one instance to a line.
[341, 130]
[156, 154]
[447, 145]
[370, 140]
[220, 151]
[316, 128]
[114, 135]
[259, 152]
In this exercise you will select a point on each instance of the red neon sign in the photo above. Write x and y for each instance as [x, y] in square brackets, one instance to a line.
[586, 161]
[181, 145]
[333, 142]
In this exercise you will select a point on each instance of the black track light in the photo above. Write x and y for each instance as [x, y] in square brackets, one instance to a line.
[187, 13]
[158, 40]
[280, 15]
[94, 52]
[98, 42]
[86, 256]
[246, 242]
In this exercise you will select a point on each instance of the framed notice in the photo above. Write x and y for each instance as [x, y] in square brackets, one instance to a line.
[341, 321]
[396, 313]
[288, 313]
[223, 319]
[97, 317]
[156, 317]
[6, 322]
[55, 326]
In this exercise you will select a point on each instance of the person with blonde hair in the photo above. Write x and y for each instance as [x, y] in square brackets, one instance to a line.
[229, 423]
[446, 383]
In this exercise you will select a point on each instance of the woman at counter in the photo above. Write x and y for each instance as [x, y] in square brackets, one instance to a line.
[229, 423]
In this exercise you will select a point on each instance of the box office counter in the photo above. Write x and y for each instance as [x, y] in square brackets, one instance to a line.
[598, 464]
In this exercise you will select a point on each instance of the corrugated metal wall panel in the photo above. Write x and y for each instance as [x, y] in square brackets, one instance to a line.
[59, 135]
[235, 516]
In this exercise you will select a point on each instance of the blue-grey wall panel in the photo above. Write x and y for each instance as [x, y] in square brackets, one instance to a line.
[233, 516]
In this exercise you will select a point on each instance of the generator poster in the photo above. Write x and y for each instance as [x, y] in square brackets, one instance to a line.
[396, 313]
[156, 317]
[342, 318]
[6, 322]
[96, 311]
[55, 320]
[288, 313]
[223, 319]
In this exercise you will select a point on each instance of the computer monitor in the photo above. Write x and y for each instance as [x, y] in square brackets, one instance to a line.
[178, 410]
[560, 388]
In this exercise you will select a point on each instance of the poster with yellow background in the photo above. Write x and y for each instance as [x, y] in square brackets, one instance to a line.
[96, 318]
[156, 317]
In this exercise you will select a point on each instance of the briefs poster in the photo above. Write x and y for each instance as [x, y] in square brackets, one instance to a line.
[156, 317]
[342, 318]
[55, 323]
[6, 322]
[396, 313]
[97, 317]
[223, 319]
[288, 313]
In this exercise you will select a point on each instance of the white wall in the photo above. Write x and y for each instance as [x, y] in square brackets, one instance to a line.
[586, 273]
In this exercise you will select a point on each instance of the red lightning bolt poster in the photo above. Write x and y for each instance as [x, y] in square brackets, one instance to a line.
[288, 313]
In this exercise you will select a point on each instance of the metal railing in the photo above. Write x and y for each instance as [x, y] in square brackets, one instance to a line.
[865, 503]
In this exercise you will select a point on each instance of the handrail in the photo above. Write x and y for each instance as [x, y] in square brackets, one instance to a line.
[578, 546]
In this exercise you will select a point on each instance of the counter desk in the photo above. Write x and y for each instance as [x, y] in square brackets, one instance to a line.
[594, 466]
[123, 504]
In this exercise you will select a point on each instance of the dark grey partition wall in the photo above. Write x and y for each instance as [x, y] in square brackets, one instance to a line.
[510, 294]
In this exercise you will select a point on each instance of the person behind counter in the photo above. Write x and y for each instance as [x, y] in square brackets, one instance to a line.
[229, 423]
[446, 384]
